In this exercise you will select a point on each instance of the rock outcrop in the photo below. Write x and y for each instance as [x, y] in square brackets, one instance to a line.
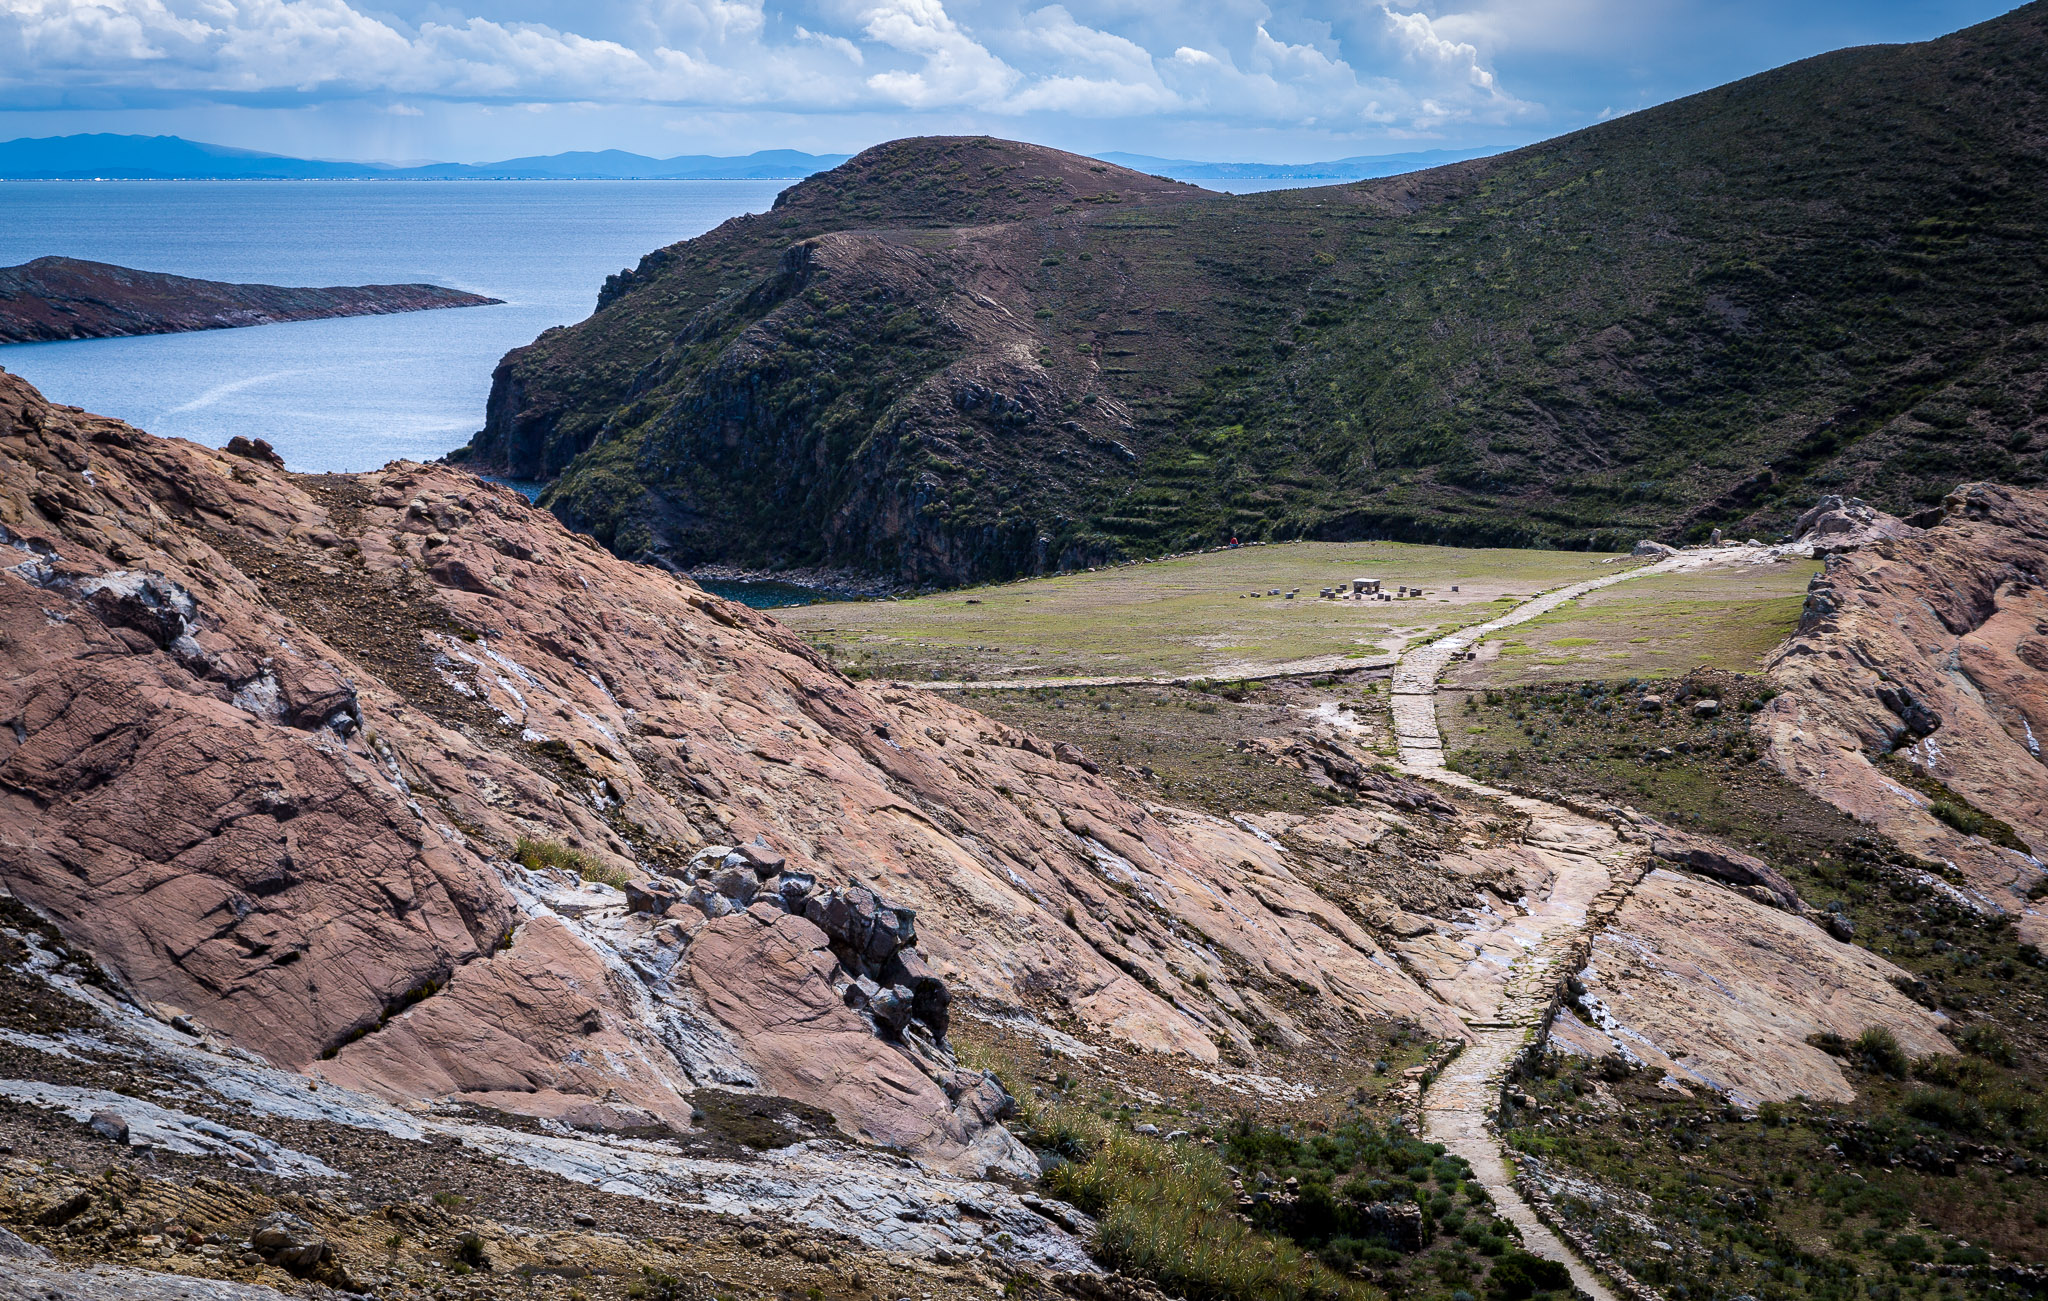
[66, 298]
[270, 744]
[1915, 694]
[1718, 990]
[1835, 524]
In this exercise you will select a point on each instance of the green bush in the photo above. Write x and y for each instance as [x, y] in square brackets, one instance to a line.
[1990, 1043]
[1517, 1275]
[1881, 1052]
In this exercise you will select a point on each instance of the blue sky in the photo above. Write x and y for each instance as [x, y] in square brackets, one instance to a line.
[1252, 80]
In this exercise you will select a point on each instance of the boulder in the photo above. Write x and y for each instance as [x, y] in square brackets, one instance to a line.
[711, 902]
[870, 927]
[1709, 708]
[1836, 524]
[1712, 858]
[739, 884]
[291, 1244]
[1067, 753]
[892, 1009]
[650, 896]
[110, 1125]
[930, 999]
[1652, 550]
[765, 861]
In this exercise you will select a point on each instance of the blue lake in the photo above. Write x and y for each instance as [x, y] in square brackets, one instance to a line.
[346, 394]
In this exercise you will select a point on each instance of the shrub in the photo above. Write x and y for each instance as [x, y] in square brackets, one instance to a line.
[1517, 1275]
[1960, 816]
[1881, 1052]
[1944, 1109]
[1990, 1043]
[1167, 1212]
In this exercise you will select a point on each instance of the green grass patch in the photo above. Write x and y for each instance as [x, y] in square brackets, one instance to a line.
[1167, 1212]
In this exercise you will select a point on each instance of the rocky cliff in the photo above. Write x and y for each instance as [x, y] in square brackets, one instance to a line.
[66, 298]
[953, 359]
[1915, 693]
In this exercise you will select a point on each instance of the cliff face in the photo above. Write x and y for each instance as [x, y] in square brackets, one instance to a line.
[271, 741]
[1915, 694]
[66, 298]
[955, 359]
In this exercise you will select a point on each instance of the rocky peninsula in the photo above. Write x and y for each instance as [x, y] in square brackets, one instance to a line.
[56, 298]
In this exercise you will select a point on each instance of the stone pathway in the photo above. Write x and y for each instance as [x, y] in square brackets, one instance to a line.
[1500, 971]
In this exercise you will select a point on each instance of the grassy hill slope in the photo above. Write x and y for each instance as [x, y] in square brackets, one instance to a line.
[956, 359]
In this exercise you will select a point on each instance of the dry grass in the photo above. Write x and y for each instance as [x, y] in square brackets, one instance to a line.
[1167, 1212]
[1728, 617]
[1190, 615]
[534, 855]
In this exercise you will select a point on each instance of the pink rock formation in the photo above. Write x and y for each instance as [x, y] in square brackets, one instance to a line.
[1717, 989]
[1931, 648]
[269, 740]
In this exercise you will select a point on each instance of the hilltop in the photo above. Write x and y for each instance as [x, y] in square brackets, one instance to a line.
[955, 359]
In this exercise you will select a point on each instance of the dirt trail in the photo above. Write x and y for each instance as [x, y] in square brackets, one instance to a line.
[1500, 971]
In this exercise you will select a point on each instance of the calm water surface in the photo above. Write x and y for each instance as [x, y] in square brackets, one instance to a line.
[344, 394]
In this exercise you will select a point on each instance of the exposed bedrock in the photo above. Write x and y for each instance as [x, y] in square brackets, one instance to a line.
[1915, 694]
[268, 743]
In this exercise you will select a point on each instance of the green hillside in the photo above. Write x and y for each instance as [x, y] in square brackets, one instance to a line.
[954, 359]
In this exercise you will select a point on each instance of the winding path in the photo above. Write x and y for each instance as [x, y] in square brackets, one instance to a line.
[1499, 973]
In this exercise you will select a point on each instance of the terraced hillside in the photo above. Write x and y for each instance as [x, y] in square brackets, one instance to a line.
[955, 359]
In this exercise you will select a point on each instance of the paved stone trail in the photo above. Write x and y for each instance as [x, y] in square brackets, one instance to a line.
[1500, 973]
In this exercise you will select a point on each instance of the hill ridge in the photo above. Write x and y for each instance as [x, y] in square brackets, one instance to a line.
[1820, 278]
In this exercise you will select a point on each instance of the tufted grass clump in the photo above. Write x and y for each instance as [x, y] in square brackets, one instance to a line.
[1167, 1212]
[536, 855]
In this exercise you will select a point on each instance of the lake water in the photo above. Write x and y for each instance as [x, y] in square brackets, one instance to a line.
[354, 393]
[766, 594]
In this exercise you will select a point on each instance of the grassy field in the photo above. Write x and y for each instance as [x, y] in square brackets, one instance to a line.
[1722, 618]
[1191, 615]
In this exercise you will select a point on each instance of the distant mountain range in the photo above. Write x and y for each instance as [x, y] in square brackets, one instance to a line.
[170, 158]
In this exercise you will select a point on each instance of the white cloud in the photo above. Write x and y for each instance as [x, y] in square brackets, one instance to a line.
[839, 43]
[1418, 37]
[957, 70]
[1244, 64]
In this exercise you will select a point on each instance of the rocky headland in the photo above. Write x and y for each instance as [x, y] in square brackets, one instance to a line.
[67, 298]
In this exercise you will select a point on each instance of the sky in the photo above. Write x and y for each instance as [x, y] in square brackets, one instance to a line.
[1221, 80]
